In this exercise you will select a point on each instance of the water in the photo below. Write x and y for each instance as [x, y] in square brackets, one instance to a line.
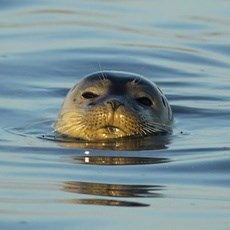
[46, 46]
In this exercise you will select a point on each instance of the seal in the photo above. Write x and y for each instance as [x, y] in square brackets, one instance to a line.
[111, 104]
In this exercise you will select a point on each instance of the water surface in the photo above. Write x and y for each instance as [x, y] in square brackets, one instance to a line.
[181, 182]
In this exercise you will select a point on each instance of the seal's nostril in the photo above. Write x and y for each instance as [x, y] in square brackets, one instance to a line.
[115, 104]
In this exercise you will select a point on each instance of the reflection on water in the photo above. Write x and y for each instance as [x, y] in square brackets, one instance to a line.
[106, 202]
[128, 144]
[112, 190]
[104, 160]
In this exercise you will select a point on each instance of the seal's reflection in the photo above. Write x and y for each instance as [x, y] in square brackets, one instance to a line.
[114, 191]
[104, 160]
[122, 144]
[111, 190]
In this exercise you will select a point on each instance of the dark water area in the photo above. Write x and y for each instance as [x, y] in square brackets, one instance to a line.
[178, 182]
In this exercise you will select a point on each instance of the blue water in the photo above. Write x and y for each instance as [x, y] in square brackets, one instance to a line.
[179, 183]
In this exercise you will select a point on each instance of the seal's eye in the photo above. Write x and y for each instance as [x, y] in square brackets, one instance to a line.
[144, 101]
[89, 95]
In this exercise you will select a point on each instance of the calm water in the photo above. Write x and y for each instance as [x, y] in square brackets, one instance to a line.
[179, 183]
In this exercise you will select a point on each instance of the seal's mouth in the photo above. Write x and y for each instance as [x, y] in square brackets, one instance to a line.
[110, 131]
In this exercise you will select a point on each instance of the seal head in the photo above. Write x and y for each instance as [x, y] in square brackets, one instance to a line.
[112, 104]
